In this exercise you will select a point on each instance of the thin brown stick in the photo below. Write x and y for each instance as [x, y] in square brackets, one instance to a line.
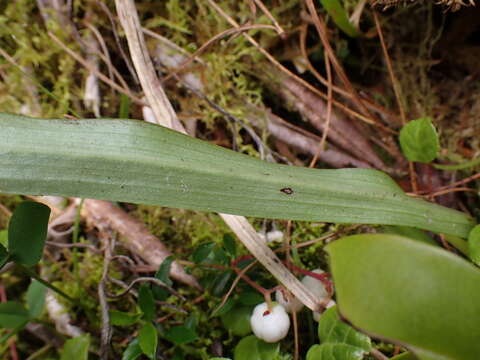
[322, 32]
[452, 185]
[106, 333]
[211, 41]
[92, 69]
[321, 146]
[269, 15]
[283, 69]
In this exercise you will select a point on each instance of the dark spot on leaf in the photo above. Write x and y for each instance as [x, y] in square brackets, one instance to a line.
[287, 190]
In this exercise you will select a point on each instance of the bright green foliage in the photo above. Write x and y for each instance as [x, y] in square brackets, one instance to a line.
[120, 318]
[163, 271]
[36, 298]
[333, 330]
[404, 356]
[181, 334]
[27, 232]
[474, 245]
[132, 351]
[146, 302]
[252, 348]
[401, 289]
[12, 315]
[334, 351]
[4, 256]
[36, 157]
[76, 348]
[419, 140]
[335, 9]
[237, 320]
[148, 339]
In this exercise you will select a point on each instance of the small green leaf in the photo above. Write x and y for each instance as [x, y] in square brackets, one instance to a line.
[238, 320]
[474, 245]
[409, 232]
[4, 238]
[120, 318]
[250, 298]
[230, 245]
[251, 348]
[4, 256]
[76, 348]
[405, 356]
[27, 232]
[220, 283]
[335, 9]
[12, 315]
[203, 252]
[331, 351]
[419, 140]
[181, 334]
[333, 330]
[163, 271]
[148, 340]
[225, 308]
[36, 298]
[132, 351]
[146, 302]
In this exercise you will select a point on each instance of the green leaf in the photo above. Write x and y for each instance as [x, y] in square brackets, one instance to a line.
[474, 245]
[250, 298]
[132, 351]
[220, 283]
[4, 238]
[335, 9]
[411, 233]
[251, 348]
[404, 356]
[333, 330]
[419, 140]
[148, 340]
[181, 334]
[203, 253]
[163, 271]
[120, 318]
[230, 245]
[36, 294]
[146, 302]
[333, 351]
[219, 358]
[76, 348]
[238, 320]
[27, 232]
[119, 160]
[225, 308]
[4, 256]
[403, 290]
[12, 315]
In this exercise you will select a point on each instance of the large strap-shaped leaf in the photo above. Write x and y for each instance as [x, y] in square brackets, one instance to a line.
[133, 161]
[409, 292]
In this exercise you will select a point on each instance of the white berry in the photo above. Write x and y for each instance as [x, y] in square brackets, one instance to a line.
[270, 325]
[288, 301]
[316, 286]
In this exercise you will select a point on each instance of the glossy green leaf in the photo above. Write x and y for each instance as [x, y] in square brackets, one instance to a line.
[146, 302]
[181, 334]
[474, 245]
[133, 350]
[163, 271]
[335, 9]
[250, 298]
[4, 238]
[36, 294]
[148, 340]
[419, 140]
[120, 318]
[465, 165]
[230, 245]
[203, 253]
[411, 233]
[332, 351]
[138, 162]
[12, 315]
[251, 348]
[27, 232]
[331, 329]
[403, 290]
[238, 320]
[220, 284]
[229, 304]
[76, 348]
